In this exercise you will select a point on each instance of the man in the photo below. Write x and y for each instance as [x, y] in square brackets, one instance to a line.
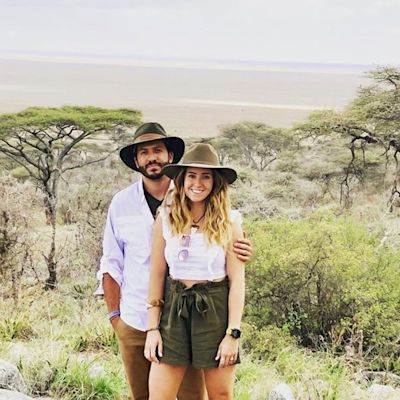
[125, 264]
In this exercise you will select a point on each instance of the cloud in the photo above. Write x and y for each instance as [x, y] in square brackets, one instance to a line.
[353, 31]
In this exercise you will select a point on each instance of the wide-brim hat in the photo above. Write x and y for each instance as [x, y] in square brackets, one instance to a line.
[201, 155]
[150, 132]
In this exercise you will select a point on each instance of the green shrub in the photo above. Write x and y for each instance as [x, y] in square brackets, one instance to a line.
[323, 275]
[265, 343]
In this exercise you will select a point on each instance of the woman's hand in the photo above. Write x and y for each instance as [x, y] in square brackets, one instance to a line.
[228, 351]
[153, 346]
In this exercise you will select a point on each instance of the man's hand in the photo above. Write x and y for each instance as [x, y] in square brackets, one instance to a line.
[243, 249]
[114, 322]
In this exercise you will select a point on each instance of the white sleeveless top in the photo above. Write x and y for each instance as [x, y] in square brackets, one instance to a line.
[204, 262]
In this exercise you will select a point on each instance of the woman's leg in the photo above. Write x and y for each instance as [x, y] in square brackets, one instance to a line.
[164, 381]
[219, 382]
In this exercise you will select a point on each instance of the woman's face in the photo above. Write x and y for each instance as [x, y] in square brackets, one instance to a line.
[198, 183]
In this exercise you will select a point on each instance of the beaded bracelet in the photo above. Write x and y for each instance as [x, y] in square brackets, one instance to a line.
[113, 314]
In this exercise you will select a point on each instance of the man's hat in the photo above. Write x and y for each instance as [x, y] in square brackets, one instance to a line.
[150, 132]
[201, 155]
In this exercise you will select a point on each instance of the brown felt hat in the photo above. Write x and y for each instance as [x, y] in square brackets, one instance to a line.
[201, 155]
[150, 132]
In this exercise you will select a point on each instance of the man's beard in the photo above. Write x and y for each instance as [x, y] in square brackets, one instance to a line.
[153, 177]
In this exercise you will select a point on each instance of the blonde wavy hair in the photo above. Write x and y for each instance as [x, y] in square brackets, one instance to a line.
[217, 226]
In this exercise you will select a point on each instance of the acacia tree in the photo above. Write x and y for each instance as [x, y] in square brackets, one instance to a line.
[372, 119]
[47, 142]
[258, 143]
[226, 149]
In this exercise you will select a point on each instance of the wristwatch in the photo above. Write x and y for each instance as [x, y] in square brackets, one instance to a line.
[235, 333]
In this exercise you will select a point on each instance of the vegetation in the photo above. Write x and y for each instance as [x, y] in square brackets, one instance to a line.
[323, 287]
[47, 142]
[324, 279]
[371, 120]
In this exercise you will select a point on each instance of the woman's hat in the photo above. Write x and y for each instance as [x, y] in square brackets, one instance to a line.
[201, 155]
[150, 132]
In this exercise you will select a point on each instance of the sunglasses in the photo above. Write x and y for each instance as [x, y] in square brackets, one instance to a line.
[184, 253]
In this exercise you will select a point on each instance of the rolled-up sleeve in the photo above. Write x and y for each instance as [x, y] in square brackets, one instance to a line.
[112, 260]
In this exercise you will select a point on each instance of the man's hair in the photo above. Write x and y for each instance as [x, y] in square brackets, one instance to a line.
[217, 227]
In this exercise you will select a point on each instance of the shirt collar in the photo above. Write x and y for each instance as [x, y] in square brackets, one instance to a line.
[141, 191]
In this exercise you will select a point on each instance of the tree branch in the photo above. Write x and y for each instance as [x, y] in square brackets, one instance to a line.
[86, 163]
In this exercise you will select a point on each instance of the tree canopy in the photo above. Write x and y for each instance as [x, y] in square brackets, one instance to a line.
[47, 142]
[81, 118]
[371, 119]
[254, 143]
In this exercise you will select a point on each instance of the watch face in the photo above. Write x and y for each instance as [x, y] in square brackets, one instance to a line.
[235, 333]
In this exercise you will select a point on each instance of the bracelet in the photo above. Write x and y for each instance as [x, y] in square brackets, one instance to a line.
[155, 303]
[152, 306]
[153, 329]
[113, 314]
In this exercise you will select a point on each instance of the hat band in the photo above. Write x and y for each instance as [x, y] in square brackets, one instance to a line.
[201, 162]
[149, 136]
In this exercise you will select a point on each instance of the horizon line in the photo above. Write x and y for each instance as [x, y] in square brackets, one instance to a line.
[140, 61]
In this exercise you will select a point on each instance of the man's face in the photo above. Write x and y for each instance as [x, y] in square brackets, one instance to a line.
[151, 158]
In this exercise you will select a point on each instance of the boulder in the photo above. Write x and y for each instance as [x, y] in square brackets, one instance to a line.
[10, 377]
[380, 390]
[281, 392]
[11, 395]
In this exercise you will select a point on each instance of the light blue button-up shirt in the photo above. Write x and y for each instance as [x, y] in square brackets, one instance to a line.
[126, 252]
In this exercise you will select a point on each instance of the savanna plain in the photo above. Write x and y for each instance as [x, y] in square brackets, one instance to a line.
[321, 201]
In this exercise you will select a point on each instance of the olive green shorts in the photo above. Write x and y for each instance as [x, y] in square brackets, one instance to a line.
[193, 322]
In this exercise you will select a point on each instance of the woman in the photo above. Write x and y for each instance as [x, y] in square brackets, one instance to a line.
[204, 292]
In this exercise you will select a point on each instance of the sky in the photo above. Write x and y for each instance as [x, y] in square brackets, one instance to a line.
[304, 31]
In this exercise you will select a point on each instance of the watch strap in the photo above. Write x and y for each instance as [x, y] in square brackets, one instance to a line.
[234, 332]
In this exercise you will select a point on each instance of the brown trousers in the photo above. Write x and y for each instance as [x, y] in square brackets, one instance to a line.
[131, 344]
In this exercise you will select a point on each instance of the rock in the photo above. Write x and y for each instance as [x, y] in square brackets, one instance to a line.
[281, 392]
[381, 377]
[380, 390]
[11, 395]
[96, 371]
[10, 377]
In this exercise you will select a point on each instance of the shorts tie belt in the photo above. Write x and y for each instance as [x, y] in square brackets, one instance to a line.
[197, 296]
[188, 297]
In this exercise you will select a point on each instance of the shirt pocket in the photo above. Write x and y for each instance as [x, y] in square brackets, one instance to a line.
[135, 234]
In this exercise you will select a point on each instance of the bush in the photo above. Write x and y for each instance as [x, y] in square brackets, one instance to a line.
[322, 279]
[266, 342]
[17, 206]
[83, 201]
